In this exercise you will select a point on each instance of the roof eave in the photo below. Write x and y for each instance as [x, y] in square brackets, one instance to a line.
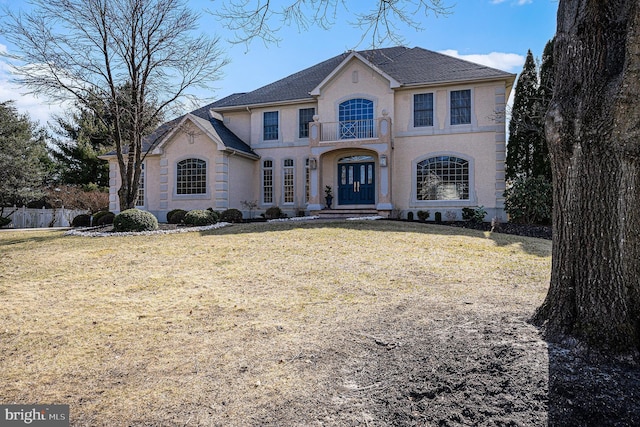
[263, 104]
[508, 78]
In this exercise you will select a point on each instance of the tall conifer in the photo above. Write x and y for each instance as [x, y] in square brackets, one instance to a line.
[524, 127]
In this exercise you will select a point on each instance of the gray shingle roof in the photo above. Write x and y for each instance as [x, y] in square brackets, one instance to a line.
[229, 139]
[409, 66]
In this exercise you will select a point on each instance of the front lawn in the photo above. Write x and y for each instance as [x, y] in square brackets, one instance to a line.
[307, 323]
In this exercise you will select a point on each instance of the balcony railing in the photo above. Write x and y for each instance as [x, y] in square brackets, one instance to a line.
[349, 129]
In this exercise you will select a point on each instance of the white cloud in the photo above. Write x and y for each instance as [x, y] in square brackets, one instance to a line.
[38, 108]
[510, 62]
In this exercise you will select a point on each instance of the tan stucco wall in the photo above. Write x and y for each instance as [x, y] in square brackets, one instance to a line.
[368, 84]
[481, 142]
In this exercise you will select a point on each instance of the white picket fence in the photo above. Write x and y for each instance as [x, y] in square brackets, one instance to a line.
[40, 218]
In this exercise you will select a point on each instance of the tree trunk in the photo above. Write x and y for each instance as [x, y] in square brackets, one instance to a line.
[593, 132]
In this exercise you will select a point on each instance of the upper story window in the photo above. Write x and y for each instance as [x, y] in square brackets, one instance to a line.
[442, 178]
[270, 125]
[191, 177]
[305, 115]
[356, 118]
[423, 109]
[460, 107]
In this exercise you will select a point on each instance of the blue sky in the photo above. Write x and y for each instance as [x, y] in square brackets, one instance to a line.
[493, 32]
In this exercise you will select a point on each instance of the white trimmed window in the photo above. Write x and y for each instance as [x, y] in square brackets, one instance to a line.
[191, 177]
[423, 109]
[307, 180]
[270, 125]
[305, 116]
[442, 178]
[140, 199]
[288, 181]
[267, 182]
[460, 107]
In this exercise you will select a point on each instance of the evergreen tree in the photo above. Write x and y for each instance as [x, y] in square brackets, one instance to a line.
[24, 164]
[524, 126]
[82, 137]
[541, 160]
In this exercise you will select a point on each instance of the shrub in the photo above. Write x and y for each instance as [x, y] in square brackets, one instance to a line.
[4, 221]
[438, 216]
[217, 214]
[410, 216]
[199, 218]
[176, 216]
[105, 219]
[273, 212]
[231, 215]
[96, 216]
[423, 215]
[82, 220]
[474, 214]
[135, 220]
[529, 200]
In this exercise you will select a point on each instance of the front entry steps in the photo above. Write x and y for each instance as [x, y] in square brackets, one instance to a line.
[345, 213]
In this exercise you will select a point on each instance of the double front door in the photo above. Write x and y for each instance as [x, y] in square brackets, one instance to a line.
[356, 183]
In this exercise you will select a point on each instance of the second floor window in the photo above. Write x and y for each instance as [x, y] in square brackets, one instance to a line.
[423, 109]
[305, 115]
[270, 125]
[461, 107]
[356, 118]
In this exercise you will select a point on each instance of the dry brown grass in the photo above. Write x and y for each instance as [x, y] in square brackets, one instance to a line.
[228, 327]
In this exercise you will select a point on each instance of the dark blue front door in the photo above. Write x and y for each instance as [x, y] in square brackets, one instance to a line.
[356, 183]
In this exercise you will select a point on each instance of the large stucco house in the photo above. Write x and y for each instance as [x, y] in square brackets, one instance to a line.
[391, 131]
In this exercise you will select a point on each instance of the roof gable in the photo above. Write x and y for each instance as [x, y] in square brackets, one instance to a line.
[393, 83]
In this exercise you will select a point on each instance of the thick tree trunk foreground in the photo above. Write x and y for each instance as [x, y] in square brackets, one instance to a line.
[593, 132]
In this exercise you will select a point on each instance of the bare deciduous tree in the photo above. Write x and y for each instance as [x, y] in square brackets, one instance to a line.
[87, 49]
[262, 19]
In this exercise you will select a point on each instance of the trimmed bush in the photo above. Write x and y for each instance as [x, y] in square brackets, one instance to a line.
[410, 216]
[423, 215]
[217, 214]
[82, 220]
[231, 215]
[200, 217]
[135, 220]
[105, 219]
[176, 216]
[273, 212]
[438, 216]
[474, 214]
[96, 216]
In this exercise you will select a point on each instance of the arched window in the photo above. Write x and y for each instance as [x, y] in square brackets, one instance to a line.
[442, 178]
[191, 177]
[356, 118]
